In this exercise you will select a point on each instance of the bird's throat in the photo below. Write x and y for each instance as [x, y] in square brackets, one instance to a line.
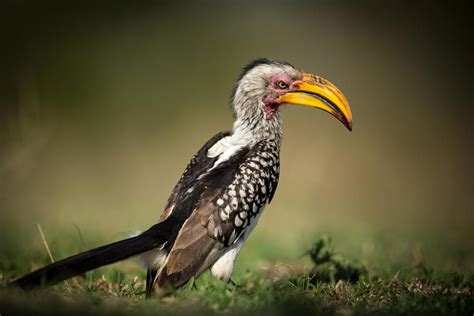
[264, 126]
[270, 109]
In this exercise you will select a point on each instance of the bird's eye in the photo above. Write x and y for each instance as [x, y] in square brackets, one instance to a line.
[282, 85]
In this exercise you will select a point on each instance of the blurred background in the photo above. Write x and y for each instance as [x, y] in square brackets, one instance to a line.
[103, 104]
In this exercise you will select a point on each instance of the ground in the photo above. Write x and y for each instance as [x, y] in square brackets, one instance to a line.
[321, 279]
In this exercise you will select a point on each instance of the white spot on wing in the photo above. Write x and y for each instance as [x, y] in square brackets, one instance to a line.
[234, 203]
[218, 148]
[255, 208]
[224, 215]
[237, 221]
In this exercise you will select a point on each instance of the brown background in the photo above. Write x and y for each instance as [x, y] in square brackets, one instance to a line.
[102, 105]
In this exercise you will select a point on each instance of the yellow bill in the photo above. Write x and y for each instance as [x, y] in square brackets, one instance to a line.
[319, 93]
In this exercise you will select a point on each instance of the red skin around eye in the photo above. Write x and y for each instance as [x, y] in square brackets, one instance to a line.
[271, 105]
[280, 77]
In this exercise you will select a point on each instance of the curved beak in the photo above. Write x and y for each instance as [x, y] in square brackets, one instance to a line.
[319, 93]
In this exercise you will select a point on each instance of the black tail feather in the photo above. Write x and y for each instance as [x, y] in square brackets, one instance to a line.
[94, 258]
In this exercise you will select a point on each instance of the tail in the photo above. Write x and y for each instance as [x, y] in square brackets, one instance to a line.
[93, 259]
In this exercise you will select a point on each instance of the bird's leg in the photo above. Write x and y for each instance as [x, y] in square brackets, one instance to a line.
[238, 286]
[150, 280]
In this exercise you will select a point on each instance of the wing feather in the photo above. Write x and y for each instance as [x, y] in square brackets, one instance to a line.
[208, 230]
[199, 164]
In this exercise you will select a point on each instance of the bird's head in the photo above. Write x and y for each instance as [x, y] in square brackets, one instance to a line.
[265, 85]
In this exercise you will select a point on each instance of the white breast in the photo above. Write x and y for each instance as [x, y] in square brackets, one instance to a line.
[224, 265]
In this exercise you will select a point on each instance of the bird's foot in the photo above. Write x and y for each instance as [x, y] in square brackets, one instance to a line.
[237, 286]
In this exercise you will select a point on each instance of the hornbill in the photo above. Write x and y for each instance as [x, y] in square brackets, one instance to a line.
[224, 189]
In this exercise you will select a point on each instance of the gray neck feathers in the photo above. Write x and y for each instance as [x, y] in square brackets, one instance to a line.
[251, 128]
[247, 132]
[252, 124]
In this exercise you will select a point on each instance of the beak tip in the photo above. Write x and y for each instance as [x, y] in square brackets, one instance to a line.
[347, 123]
[349, 126]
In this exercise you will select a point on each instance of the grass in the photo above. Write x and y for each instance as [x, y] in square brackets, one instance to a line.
[322, 281]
